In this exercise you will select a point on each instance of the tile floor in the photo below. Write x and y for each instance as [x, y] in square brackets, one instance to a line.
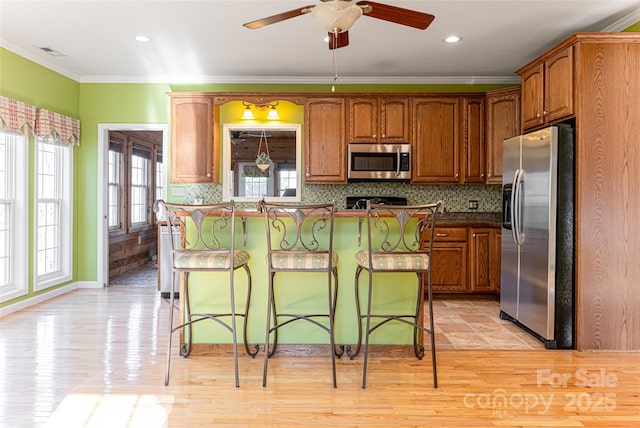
[476, 324]
[459, 323]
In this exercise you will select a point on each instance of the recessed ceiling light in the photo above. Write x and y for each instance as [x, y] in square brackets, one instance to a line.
[453, 39]
[143, 39]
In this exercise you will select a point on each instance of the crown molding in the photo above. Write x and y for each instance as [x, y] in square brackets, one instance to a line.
[624, 22]
[283, 80]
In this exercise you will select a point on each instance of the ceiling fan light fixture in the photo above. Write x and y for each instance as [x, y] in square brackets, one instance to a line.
[336, 14]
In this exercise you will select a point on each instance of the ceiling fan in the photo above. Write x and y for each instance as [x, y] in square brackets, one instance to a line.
[337, 16]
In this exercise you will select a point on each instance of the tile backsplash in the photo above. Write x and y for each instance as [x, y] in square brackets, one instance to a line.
[455, 196]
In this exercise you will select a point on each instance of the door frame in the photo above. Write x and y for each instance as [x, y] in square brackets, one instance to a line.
[103, 183]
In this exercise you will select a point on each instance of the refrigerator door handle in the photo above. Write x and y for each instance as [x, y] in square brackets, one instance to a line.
[517, 206]
[512, 207]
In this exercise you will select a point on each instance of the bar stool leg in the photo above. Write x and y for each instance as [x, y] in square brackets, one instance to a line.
[332, 303]
[433, 333]
[256, 348]
[351, 354]
[233, 326]
[171, 296]
[270, 302]
[185, 348]
[367, 330]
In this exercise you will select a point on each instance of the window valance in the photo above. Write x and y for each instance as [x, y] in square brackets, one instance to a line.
[62, 128]
[17, 116]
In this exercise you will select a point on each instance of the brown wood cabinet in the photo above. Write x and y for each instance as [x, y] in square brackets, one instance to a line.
[605, 72]
[324, 142]
[194, 139]
[378, 120]
[466, 259]
[547, 90]
[449, 268]
[448, 139]
[502, 122]
[473, 152]
[481, 248]
[496, 260]
[436, 134]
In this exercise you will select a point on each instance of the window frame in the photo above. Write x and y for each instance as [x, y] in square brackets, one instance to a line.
[17, 181]
[64, 240]
[137, 145]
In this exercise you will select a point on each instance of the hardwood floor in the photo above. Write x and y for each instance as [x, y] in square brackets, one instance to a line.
[95, 358]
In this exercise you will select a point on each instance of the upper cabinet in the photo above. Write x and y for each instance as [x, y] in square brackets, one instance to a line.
[547, 90]
[473, 140]
[435, 140]
[194, 152]
[502, 122]
[324, 142]
[448, 139]
[378, 120]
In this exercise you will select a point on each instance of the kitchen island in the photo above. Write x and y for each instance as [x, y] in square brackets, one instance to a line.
[392, 293]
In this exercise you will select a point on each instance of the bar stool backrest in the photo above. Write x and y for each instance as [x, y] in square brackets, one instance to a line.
[203, 229]
[401, 229]
[299, 229]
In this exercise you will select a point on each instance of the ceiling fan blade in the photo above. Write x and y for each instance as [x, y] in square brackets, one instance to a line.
[340, 41]
[398, 15]
[263, 22]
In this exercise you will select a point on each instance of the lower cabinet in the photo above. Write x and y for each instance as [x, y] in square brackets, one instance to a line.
[480, 252]
[466, 259]
[450, 255]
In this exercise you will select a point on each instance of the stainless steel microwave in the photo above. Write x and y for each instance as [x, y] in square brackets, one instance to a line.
[379, 161]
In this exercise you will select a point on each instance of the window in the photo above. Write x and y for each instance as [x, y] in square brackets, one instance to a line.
[286, 180]
[139, 184]
[243, 181]
[136, 179]
[54, 175]
[13, 215]
[254, 182]
[115, 185]
[159, 178]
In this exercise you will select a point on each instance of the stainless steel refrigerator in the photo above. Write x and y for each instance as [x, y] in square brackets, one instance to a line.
[537, 272]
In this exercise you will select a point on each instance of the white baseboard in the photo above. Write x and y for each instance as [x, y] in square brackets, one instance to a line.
[89, 284]
[22, 304]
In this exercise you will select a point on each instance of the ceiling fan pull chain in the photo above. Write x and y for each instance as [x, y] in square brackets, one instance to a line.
[335, 65]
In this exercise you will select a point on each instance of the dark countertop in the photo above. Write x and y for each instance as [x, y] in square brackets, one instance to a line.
[448, 218]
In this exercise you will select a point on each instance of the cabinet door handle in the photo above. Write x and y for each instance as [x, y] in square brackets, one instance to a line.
[538, 115]
[545, 112]
[375, 135]
[384, 136]
[442, 235]
[208, 175]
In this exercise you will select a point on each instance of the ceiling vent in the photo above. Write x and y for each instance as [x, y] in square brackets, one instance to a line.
[51, 52]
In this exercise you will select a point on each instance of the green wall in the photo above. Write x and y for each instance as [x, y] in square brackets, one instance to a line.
[634, 28]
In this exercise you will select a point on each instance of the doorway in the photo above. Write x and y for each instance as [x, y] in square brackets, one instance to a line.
[130, 223]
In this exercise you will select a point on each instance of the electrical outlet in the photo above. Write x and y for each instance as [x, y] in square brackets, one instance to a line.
[473, 205]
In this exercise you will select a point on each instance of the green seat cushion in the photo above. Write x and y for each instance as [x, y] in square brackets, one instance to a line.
[302, 261]
[394, 261]
[209, 259]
